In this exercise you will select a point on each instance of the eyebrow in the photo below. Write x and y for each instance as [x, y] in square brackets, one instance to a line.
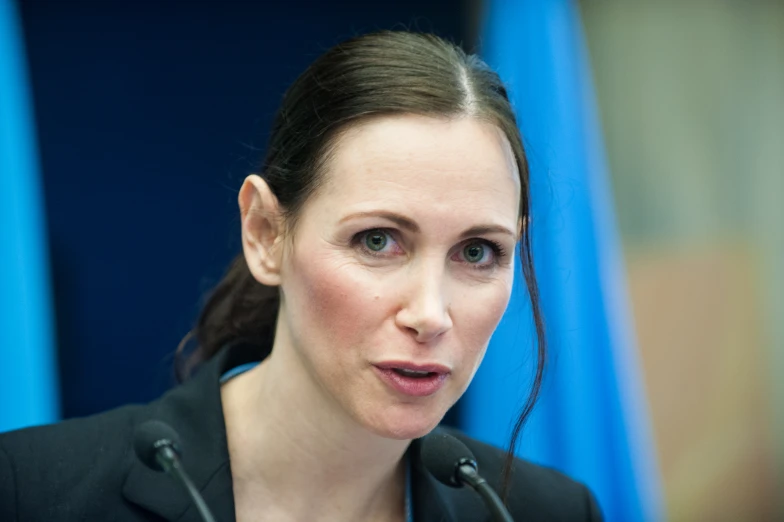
[404, 222]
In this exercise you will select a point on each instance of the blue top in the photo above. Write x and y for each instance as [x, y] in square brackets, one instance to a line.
[242, 368]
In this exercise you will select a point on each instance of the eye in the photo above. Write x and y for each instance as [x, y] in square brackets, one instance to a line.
[474, 253]
[481, 254]
[376, 242]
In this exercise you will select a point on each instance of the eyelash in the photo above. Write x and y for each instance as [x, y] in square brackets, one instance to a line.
[499, 251]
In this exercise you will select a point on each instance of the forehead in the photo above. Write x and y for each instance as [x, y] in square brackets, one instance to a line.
[410, 160]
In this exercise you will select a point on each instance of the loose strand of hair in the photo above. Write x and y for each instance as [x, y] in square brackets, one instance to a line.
[541, 360]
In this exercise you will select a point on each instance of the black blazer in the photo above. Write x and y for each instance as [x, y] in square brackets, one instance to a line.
[86, 469]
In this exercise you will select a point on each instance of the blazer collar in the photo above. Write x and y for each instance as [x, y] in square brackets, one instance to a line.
[195, 411]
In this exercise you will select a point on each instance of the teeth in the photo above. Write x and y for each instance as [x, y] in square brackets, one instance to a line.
[411, 373]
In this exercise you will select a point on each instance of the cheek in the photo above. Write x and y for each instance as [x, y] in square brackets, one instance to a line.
[332, 304]
[477, 316]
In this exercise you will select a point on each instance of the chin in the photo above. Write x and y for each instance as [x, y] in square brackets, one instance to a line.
[404, 422]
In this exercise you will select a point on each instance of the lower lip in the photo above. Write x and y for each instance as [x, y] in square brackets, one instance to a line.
[413, 386]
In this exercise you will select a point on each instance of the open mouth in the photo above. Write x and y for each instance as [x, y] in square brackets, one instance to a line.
[419, 383]
[413, 373]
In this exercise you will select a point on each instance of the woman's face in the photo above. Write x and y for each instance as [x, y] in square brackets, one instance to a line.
[401, 266]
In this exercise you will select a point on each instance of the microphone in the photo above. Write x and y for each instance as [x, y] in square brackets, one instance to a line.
[157, 445]
[452, 463]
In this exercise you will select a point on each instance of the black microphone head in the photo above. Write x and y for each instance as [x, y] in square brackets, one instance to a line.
[442, 454]
[150, 437]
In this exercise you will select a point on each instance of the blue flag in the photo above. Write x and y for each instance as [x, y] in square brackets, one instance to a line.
[28, 373]
[592, 421]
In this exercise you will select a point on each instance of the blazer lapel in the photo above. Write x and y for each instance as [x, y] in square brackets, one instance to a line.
[195, 411]
[431, 499]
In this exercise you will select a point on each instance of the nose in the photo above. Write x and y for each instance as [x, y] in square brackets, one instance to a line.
[425, 311]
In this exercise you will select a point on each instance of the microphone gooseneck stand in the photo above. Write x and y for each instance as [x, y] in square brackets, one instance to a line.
[467, 473]
[170, 462]
[157, 446]
[453, 464]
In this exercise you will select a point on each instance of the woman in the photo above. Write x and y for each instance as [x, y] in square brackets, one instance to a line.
[378, 258]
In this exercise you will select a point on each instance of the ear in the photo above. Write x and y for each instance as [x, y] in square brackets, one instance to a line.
[262, 230]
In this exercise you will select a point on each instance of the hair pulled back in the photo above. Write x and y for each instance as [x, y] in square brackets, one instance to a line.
[382, 73]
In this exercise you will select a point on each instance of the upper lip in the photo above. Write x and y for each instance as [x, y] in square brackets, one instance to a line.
[406, 365]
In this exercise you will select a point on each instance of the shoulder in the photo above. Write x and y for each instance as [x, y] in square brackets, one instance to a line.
[72, 463]
[81, 441]
[82, 430]
[536, 492]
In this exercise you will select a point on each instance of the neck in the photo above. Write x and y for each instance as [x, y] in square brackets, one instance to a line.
[299, 456]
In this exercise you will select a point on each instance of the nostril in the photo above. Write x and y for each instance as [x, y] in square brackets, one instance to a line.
[412, 331]
[424, 318]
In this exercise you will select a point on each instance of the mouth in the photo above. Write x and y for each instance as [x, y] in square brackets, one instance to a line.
[411, 379]
[415, 374]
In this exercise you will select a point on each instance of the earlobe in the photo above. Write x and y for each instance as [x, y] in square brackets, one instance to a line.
[262, 230]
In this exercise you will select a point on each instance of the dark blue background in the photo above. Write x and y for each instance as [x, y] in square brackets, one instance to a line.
[149, 115]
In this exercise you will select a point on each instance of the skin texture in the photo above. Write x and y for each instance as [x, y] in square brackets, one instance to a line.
[431, 294]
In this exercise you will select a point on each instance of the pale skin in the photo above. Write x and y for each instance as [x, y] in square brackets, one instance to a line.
[314, 434]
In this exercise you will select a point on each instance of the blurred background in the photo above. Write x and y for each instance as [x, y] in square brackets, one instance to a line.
[692, 104]
[127, 128]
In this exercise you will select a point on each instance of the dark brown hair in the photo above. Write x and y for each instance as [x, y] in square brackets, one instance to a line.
[382, 73]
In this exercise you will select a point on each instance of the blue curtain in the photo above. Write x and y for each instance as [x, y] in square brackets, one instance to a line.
[592, 420]
[28, 382]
